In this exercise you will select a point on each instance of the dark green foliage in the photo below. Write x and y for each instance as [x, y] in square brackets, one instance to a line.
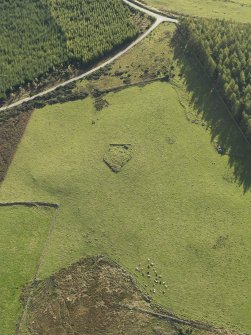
[92, 27]
[38, 36]
[224, 49]
[31, 42]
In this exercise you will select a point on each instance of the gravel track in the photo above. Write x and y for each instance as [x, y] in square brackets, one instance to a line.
[159, 18]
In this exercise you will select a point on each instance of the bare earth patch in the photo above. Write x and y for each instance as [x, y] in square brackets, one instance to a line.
[95, 296]
[85, 298]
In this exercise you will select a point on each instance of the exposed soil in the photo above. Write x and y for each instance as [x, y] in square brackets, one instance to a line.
[11, 132]
[95, 296]
[84, 299]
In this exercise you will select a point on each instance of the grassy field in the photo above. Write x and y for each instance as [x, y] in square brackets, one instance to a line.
[23, 234]
[238, 10]
[177, 202]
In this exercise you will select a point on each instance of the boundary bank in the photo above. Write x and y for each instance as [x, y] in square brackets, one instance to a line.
[171, 318]
[29, 204]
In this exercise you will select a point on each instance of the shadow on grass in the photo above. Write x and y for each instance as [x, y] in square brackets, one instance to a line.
[212, 109]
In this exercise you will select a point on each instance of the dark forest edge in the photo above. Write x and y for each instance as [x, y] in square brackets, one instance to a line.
[224, 50]
[41, 44]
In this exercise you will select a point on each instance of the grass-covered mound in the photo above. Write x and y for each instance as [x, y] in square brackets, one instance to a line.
[171, 203]
[117, 156]
[39, 36]
[23, 234]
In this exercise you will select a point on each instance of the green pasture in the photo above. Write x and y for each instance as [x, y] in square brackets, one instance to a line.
[176, 202]
[23, 234]
[238, 10]
[152, 58]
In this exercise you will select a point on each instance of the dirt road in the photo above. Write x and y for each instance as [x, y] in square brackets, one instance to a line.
[159, 19]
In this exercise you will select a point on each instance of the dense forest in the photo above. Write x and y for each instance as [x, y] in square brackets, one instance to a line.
[224, 49]
[38, 36]
[92, 28]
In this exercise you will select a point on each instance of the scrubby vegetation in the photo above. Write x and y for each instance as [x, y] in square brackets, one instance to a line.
[111, 301]
[100, 288]
[39, 36]
[224, 49]
[151, 60]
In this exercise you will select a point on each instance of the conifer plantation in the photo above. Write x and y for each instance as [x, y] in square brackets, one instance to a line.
[224, 49]
[40, 35]
[92, 28]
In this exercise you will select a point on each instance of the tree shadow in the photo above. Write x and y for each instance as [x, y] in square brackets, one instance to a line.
[210, 106]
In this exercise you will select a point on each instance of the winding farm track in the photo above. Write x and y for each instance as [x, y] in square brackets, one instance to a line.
[159, 18]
